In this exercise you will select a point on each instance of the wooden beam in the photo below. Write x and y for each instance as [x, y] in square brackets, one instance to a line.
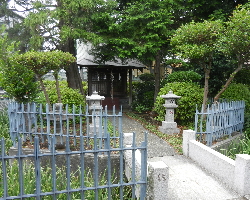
[130, 88]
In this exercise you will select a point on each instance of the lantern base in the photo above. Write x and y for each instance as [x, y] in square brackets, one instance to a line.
[169, 128]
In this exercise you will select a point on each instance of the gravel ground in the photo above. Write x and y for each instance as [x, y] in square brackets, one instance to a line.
[156, 146]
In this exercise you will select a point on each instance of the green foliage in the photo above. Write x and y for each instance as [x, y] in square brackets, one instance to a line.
[147, 77]
[19, 82]
[4, 127]
[243, 77]
[241, 147]
[197, 40]
[183, 76]
[69, 96]
[29, 179]
[236, 38]
[236, 92]
[16, 80]
[191, 95]
[143, 98]
[42, 62]
[85, 87]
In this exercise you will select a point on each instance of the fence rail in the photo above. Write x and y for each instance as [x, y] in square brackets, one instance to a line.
[71, 188]
[33, 119]
[31, 122]
[219, 120]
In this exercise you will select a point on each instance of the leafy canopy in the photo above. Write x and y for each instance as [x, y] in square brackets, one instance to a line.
[42, 62]
[197, 40]
[236, 38]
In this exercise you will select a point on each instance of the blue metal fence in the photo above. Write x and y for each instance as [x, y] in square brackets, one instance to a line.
[32, 119]
[31, 123]
[219, 120]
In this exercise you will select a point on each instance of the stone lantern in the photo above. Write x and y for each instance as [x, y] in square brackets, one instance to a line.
[169, 126]
[95, 107]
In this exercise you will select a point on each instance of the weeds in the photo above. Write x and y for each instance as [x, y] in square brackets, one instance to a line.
[61, 185]
[4, 127]
[241, 147]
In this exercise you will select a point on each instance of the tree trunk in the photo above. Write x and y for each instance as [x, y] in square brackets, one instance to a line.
[72, 72]
[205, 94]
[229, 80]
[58, 87]
[157, 74]
[44, 90]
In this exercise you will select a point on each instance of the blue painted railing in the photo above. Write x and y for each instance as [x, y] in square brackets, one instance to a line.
[33, 119]
[219, 120]
[31, 123]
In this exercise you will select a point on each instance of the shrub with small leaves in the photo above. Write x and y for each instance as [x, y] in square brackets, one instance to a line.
[191, 95]
[236, 92]
[143, 99]
[184, 76]
[69, 96]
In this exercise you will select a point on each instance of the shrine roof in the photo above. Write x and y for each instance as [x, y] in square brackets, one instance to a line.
[84, 58]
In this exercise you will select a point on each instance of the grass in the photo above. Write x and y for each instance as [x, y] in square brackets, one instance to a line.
[29, 183]
[4, 127]
[241, 147]
[15, 173]
[174, 140]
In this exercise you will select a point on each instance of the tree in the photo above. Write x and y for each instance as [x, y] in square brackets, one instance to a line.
[235, 41]
[197, 41]
[41, 63]
[141, 30]
[59, 23]
[16, 80]
[13, 19]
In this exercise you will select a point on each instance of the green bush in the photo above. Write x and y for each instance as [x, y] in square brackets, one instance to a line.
[69, 96]
[147, 77]
[182, 76]
[19, 82]
[236, 92]
[191, 95]
[143, 93]
[243, 76]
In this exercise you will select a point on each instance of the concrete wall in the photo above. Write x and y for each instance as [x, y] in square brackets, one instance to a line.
[235, 174]
[218, 164]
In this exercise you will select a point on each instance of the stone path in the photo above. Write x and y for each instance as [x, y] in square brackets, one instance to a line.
[187, 180]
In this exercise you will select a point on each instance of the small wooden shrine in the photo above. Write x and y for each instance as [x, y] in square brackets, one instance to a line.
[113, 80]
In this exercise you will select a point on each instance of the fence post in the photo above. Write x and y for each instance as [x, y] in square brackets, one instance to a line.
[127, 139]
[187, 136]
[242, 174]
[158, 174]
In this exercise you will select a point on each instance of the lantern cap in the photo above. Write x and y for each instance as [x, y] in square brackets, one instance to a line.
[95, 96]
[170, 95]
